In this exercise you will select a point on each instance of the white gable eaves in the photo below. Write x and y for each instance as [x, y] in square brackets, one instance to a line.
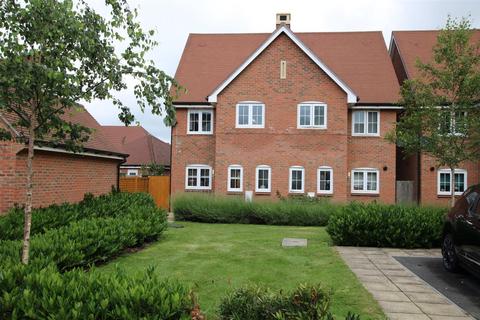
[351, 96]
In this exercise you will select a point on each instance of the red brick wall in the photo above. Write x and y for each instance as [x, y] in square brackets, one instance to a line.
[428, 180]
[57, 177]
[280, 144]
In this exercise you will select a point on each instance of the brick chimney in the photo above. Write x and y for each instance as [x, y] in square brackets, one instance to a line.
[283, 19]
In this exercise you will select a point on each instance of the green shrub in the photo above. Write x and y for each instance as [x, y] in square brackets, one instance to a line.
[216, 209]
[54, 216]
[90, 241]
[256, 303]
[377, 225]
[29, 293]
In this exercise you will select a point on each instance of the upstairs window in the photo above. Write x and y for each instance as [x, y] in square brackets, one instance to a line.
[312, 115]
[200, 122]
[235, 178]
[263, 179]
[250, 115]
[365, 181]
[366, 123]
[444, 181]
[453, 123]
[198, 177]
[297, 179]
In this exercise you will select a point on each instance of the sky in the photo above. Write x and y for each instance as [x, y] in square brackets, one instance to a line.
[173, 20]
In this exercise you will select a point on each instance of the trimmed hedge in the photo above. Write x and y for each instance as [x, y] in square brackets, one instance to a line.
[256, 303]
[395, 226]
[55, 216]
[30, 293]
[90, 241]
[216, 209]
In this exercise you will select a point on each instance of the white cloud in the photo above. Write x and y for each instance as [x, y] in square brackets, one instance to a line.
[174, 20]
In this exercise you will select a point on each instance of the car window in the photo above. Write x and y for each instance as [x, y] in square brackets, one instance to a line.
[472, 198]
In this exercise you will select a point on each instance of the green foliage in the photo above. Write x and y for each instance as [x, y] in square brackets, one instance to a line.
[30, 293]
[308, 302]
[153, 169]
[377, 225]
[54, 216]
[441, 113]
[216, 209]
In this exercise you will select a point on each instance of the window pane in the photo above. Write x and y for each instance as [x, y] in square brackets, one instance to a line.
[372, 122]
[445, 126]
[358, 181]
[325, 180]
[194, 121]
[204, 177]
[235, 178]
[192, 178]
[371, 181]
[296, 180]
[257, 117]
[460, 122]
[243, 115]
[319, 115]
[359, 122]
[445, 182]
[459, 182]
[206, 121]
[262, 179]
[304, 115]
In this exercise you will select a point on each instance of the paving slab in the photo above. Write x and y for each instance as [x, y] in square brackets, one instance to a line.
[294, 242]
[398, 290]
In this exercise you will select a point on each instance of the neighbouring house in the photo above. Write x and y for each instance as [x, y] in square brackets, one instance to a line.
[143, 148]
[431, 184]
[286, 113]
[59, 175]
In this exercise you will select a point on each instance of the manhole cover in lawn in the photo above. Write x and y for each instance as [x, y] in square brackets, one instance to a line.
[294, 242]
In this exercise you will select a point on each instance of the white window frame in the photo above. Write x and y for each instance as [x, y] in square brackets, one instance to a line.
[290, 171]
[132, 171]
[312, 105]
[365, 180]
[250, 124]
[236, 167]
[200, 120]
[198, 167]
[329, 169]
[452, 123]
[365, 124]
[269, 169]
[456, 171]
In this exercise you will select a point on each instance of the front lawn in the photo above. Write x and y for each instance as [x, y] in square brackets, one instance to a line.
[215, 258]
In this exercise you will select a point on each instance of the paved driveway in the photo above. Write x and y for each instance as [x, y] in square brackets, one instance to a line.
[400, 293]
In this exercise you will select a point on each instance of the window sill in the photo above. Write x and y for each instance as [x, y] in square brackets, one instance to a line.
[312, 128]
[263, 193]
[198, 190]
[366, 135]
[356, 194]
[199, 133]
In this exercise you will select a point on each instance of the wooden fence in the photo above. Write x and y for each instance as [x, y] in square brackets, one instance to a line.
[157, 186]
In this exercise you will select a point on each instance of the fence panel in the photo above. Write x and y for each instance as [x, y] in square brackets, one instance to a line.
[157, 186]
[134, 184]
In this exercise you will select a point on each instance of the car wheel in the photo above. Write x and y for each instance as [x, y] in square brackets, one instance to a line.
[450, 259]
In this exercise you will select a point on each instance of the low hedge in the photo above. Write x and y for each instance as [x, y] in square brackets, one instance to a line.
[89, 241]
[54, 216]
[378, 225]
[256, 303]
[217, 209]
[30, 293]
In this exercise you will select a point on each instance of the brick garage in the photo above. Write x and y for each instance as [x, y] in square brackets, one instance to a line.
[59, 176]
[280, 144]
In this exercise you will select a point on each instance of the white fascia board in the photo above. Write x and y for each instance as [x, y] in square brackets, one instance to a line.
[88, 154]
[351, 96]
[376, 107]
[193, 106]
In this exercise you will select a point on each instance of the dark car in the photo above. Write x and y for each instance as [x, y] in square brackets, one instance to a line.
[461, 233]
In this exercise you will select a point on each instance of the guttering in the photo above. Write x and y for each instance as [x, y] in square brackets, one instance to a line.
[88, 154]
[193, 106]
[376, 107]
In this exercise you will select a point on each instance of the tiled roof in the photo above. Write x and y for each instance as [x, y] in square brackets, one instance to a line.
[360, 59]
[142, 147]
[419, 44]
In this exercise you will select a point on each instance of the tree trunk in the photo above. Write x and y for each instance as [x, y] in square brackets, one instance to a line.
[452, 186]
[28, 200]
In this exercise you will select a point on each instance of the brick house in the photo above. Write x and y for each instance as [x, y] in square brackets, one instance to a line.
[286, 113]
[142, 147]
[59, 175]
[432, 184]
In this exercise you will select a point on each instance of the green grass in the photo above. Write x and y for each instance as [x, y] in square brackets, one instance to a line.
[215, 258]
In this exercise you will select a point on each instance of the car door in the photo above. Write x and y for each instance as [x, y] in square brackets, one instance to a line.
[468, 227]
